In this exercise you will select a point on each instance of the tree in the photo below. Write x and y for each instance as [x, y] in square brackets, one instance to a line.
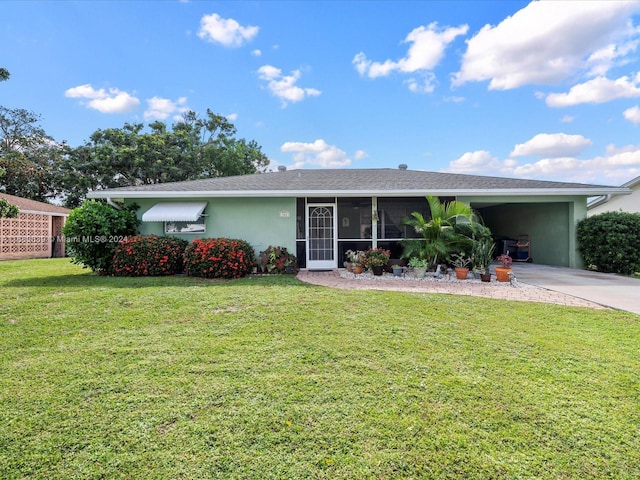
[93, 231]
[450, 228]
[8, 210]
[27, 154]
[4, 74]
[193, 148]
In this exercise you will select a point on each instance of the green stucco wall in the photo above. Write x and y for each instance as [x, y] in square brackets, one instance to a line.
[549, 221]
[260, 221]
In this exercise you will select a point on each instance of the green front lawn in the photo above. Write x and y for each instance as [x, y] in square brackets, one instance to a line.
[268, 378]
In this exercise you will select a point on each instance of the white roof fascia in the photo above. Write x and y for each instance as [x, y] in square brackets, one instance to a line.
[591, 192]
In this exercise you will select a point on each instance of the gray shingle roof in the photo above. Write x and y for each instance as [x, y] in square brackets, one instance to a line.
[353, 182]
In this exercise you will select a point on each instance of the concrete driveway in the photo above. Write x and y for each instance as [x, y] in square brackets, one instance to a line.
[615, 291]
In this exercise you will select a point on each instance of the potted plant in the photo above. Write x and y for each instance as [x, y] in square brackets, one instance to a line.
[352, 259]
[482, 257]
[504, 270]
[396, 270]
[355, 260]
[376, 259]
[419, 266]
[461, 263]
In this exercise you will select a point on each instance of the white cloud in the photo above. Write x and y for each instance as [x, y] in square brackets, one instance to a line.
[232, 117]
[162, 108]
[567, 119]
[256, 53]
[284, 86]
[479, 161]
[360, 155]
[111, 101]
[632, 114]
[424, 85]
[426, 50]
[548, 167]
[597, 90]
[319, 154]
[549, 41]
[552, 145]
[225, 31]
[615, 167]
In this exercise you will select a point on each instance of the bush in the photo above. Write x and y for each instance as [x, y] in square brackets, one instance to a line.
[93, 230]
[610, 242]
[218, 258]
[149, 255]
[276, 260]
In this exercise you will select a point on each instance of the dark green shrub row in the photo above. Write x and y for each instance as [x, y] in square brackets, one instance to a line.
[610, 242]
[218, 258]
[149, 255]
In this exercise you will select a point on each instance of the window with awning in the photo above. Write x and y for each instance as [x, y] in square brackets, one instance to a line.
[174, 212]
[178, 217]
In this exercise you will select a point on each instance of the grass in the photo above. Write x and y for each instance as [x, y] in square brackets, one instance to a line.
[269, 378]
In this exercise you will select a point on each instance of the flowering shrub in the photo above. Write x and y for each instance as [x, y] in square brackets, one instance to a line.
[148, 255]
[218, 258]
[276, 260]
[375, 257]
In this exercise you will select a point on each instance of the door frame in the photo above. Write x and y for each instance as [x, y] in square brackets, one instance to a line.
[322, 264]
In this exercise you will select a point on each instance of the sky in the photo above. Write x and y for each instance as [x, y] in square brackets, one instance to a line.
[546, 90]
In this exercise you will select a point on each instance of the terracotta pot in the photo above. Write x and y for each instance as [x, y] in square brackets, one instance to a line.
[502, 274]
[357, 269]
[461, 273]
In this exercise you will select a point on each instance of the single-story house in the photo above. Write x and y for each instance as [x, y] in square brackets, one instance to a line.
[35, 233]
[621, 203]
[319, 214]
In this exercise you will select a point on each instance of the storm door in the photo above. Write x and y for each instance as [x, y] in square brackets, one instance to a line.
[321, 236]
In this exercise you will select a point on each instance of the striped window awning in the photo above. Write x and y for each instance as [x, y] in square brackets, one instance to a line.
[174, 212]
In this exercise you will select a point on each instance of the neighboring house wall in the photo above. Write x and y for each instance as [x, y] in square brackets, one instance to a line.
[31, 235]
[259, 221]
[35, 233]
[623, 203]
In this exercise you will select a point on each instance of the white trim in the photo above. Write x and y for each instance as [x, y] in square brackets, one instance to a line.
[322, 264]
[515, 192]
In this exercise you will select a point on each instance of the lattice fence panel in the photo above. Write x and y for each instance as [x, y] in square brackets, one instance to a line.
[25, 237]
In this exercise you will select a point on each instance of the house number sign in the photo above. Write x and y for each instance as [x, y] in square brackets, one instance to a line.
[284, 213]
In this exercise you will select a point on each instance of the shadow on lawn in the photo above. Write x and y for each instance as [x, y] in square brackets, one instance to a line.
[91, 280]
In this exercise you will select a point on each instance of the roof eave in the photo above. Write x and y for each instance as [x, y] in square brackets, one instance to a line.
[591, 192]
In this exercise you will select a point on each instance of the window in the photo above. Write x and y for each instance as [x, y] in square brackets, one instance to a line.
[197, 226]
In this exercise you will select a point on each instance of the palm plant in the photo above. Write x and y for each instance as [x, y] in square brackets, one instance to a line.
[451, 227]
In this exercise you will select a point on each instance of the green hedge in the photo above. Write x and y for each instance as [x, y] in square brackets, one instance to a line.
[218, 258]
[93, 231]
[610, 242]
[149, 255]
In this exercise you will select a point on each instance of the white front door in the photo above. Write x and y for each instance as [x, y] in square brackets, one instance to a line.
[321, 236]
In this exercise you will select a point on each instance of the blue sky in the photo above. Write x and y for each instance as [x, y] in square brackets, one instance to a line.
[543, 90]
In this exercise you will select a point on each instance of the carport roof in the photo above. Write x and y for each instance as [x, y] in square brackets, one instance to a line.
[355, 182]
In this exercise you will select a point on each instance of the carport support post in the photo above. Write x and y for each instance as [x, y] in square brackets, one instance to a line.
[577, 211]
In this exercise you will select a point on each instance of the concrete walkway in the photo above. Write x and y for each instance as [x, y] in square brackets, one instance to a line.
[534, 283]
[614, 291]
